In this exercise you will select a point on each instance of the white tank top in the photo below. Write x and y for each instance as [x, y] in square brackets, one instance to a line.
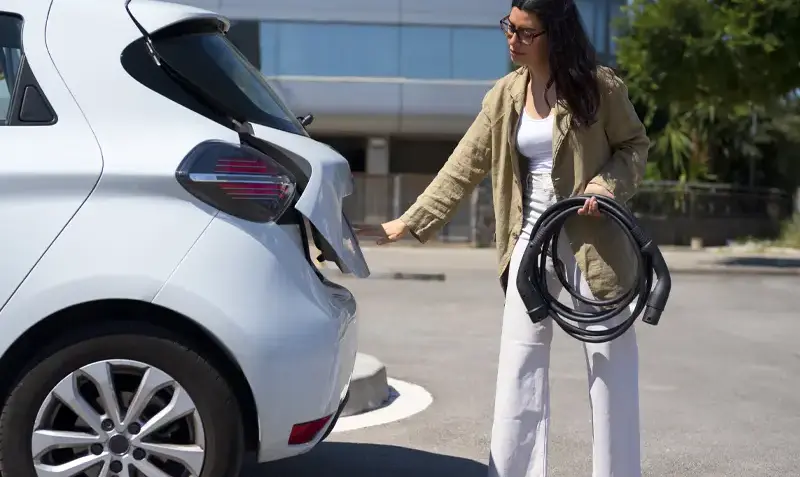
[535, 142]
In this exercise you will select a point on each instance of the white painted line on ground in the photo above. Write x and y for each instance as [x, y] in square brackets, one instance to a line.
[410, 399]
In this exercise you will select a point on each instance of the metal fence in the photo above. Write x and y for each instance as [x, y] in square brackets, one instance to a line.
[379, 198]
[709, 200]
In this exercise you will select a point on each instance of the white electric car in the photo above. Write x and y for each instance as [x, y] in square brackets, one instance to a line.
[161, 314]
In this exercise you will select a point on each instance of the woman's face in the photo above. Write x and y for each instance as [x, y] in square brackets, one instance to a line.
[527, 42]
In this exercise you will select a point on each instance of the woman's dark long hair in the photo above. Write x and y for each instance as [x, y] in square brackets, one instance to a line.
[572, 58]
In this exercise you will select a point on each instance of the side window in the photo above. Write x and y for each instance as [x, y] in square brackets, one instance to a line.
[10, 60]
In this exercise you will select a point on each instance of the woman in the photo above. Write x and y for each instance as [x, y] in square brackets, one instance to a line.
[556, 127]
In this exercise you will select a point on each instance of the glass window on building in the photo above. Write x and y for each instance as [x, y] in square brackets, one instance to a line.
[331, 49]
[268, 48]
[425, 52]
[479, 53]
[361, 50]
[598, 18]
[590, 13]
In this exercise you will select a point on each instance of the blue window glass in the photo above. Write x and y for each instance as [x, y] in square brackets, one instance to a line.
[589, 15]
[268, 51]
[425, 52]
[338, 49]
[479, 53]
[410, 51]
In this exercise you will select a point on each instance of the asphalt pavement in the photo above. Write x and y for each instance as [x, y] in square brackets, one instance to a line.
[719, 379]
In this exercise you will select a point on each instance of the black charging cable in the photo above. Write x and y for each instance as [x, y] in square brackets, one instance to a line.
[540, 304]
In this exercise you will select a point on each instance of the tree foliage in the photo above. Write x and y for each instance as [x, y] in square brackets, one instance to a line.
[719, 71]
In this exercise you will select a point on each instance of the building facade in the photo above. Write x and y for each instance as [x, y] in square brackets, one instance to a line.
[392, 84]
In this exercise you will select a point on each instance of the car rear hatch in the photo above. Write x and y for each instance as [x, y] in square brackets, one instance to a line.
[324, 179]
[190, 44]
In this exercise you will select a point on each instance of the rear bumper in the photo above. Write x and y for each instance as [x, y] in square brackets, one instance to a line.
[293, 335]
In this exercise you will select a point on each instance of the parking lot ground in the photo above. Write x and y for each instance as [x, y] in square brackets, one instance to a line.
[719, 380]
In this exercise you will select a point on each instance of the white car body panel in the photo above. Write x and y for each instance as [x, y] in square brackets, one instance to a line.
[42, 183]
[101, 216]
[296, 349]
[154, 15]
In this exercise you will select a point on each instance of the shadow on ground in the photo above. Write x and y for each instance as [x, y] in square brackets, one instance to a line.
[775, 262]
[339, 459]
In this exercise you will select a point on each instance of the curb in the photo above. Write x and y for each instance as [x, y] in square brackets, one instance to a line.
[733, 270]
[369, 386]
[708, 270]
[393, 275]
[419, 276]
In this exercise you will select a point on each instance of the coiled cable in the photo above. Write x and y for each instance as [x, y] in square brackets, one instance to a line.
[540, 304]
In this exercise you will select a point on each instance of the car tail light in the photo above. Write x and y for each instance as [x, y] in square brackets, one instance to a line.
[238, 180]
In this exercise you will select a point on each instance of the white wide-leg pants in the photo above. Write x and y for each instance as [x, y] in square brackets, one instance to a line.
[522, 403]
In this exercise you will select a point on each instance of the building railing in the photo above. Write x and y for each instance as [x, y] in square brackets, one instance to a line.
[674, 212]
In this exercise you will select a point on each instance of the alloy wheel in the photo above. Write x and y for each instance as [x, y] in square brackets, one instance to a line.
[118, 418]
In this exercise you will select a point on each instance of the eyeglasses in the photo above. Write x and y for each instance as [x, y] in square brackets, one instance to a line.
[525, 35]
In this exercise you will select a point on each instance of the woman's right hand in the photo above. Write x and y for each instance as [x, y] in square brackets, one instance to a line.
[386, 232]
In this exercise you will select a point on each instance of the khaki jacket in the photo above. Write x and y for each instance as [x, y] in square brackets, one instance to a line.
[612, 153]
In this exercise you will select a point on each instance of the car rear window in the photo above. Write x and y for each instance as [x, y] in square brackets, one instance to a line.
[203, 54]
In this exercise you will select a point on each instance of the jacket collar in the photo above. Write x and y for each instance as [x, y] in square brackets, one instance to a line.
[518, 87]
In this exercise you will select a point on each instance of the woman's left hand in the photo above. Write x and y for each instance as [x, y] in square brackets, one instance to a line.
[590, 207]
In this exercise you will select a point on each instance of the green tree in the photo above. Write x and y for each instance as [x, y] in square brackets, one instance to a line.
[713, 69]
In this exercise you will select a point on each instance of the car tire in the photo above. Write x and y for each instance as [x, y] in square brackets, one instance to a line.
[214, 418]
